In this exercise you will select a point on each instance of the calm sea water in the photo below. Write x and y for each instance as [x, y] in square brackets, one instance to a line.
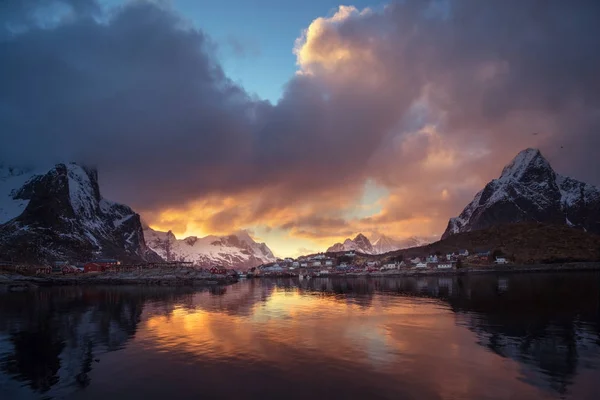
[522, 336]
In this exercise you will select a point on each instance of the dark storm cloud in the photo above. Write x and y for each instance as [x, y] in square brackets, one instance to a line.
[140, 94]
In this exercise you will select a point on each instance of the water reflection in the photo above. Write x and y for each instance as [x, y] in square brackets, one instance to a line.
[518, 336]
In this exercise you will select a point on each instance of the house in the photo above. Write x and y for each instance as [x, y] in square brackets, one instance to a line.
[421, 265]
[432, 259]
[58, 266]
[218, 270]
[324, 272]
[288, 259]
[295, 264]
[372, 263]
[449, 256]
[463, 253]
[445, 265]
[402, 264]
[416, 260]
[315, 264]
[93, 267]
[501, 260]
[350, 254]
[303, 265]
[70, 269]
[328, 263]
[107, 262]
[483, 255]
[389, 266]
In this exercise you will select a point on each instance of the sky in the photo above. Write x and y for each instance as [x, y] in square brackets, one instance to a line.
[302, 122]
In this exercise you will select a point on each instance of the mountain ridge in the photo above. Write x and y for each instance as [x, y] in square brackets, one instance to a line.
[528, 189]
[383, 244]
[62, 215]
[237, 250]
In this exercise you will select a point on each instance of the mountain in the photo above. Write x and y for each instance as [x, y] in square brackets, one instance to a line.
[238, 250]
[60, 214]
[385, 244]
[529, 190]
[360, 244]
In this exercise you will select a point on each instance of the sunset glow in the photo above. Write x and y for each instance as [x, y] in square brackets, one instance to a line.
[388, 121]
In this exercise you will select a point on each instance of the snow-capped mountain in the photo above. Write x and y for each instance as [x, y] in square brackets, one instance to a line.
[529, 190]
[385, 244]
[360, 244]
[238, 250]
[60, 214]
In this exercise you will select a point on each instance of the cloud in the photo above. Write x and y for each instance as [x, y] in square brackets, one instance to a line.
[428, 99]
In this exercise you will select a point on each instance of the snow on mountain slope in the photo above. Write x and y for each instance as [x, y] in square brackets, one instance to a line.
[529, 190]
[385, 244]
[11, 181]
[64, 216]
[238, 250]
[360, 244]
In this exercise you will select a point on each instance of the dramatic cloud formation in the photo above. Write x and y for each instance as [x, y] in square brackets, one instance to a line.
[427, 99]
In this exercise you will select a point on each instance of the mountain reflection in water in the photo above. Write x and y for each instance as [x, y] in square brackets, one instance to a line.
[518, 336]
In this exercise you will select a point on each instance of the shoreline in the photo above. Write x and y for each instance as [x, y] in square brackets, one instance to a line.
[472, 270]
[146, 278]
[182, 277]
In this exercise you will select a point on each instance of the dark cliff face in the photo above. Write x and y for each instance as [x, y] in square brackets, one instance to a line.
[530, 190]
[67, 218]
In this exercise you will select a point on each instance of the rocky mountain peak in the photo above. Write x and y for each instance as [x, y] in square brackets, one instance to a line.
[530, 190]
[528, 166]
[61, 214]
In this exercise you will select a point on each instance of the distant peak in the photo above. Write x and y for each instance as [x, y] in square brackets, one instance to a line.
[527, 159]
[244, 236]
[360, 236]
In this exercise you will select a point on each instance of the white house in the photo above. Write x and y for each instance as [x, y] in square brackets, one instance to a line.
[445, 265]
[350, 254]
[421, 265]
[303, 265]
[295, 264]
[432, 259]
[328, 263]
[390, 266]
[316, 264]
[372, 263]
[501, 260]
[449, 256]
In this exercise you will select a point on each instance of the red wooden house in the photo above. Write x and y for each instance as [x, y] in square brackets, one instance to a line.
[218, 271]
[99, 265]
[92, 267]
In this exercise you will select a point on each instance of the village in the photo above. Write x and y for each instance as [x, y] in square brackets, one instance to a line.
[353, 263]
[322, 264]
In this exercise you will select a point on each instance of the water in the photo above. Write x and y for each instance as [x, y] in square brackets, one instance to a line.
[522, 336]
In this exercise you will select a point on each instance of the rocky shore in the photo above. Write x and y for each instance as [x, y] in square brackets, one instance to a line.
[165, 277]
